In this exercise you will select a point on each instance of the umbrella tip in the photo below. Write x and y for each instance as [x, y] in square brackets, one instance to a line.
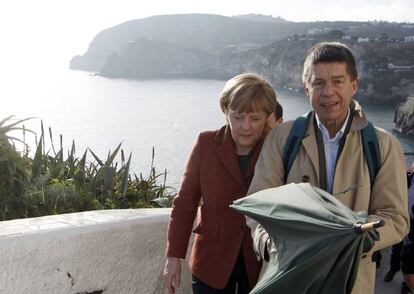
[360, 227]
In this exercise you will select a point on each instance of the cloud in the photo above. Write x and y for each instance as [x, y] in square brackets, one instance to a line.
[352, 10]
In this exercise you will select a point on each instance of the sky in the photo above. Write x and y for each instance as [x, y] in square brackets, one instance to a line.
[45, 34]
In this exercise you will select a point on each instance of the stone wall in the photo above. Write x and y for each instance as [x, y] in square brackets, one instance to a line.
[109, 251]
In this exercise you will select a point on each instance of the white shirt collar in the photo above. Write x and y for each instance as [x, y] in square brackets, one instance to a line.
[325, 132]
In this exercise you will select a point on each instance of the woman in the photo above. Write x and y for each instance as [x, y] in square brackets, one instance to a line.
[219, 171]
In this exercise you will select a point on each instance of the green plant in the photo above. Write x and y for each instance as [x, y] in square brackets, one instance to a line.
[49, 183]
[13, 169]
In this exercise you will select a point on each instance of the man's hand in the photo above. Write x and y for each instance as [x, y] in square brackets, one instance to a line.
[369, 240]
[267, 248]
[172, 274]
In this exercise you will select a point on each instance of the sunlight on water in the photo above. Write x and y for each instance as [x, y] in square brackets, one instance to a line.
[168, 114]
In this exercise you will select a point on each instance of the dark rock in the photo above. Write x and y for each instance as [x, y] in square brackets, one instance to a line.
[404, 116]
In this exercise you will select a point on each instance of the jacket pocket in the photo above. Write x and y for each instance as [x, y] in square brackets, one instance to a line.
[208, 230]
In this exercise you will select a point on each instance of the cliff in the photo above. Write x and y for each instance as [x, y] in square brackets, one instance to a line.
[386, 68]
[210, 33]
[404, 116]
[146, 58]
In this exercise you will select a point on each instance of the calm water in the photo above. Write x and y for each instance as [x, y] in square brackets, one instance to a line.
[99, 113]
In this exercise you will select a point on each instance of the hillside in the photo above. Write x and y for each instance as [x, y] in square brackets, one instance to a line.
[211, 33]
[386, 68]
[219, 47]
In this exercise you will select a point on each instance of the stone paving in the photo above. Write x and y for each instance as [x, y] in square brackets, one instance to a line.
[382, 287]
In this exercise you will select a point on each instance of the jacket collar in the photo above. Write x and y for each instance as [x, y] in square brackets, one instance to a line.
[226, 151]
[359, 120]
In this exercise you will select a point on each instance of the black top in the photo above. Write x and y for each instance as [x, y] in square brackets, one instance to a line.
[244, 162]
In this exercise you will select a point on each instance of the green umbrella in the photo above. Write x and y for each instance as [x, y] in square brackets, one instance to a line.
[319, 241]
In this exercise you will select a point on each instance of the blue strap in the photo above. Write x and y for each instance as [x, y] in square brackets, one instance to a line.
[294, 140]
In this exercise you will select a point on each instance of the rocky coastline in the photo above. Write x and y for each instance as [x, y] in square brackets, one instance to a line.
[404, 116]
[218, 47]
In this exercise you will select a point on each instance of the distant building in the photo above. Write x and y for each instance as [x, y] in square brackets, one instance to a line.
[315, 31]
[346, 37]
[408, 26]
[362, 40]
[409, 39]
[391, 66]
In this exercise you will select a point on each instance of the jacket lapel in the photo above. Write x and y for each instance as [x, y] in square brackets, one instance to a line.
[226, 152]
[311, 148]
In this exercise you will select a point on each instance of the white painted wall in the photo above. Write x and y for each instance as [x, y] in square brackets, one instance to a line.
[118, 251]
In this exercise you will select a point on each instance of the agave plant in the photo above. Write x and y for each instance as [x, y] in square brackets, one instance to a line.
[49, 183]
[13, 168]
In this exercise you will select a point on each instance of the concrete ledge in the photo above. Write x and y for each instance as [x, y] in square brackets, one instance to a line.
[107, 251]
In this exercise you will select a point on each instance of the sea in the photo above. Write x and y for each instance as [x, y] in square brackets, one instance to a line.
[144, 115]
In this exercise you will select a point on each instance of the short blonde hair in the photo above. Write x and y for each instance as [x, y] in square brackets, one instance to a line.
[246, 93]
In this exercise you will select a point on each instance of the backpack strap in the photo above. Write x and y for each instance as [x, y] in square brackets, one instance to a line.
[294, 140]
[371, 151]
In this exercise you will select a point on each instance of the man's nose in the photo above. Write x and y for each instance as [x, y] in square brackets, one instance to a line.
[327, 89]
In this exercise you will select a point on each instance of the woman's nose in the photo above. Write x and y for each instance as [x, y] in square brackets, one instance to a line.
[246, 124]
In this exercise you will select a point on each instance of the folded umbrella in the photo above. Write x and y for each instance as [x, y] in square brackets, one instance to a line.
[318, 240]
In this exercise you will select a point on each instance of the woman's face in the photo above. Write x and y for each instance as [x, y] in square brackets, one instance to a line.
[246, 128]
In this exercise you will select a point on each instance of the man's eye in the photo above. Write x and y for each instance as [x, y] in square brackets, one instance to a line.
[317, 84]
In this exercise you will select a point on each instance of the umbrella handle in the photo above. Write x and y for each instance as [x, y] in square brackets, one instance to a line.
[360, 228]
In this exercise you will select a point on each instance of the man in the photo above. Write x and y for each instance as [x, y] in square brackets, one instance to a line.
[331, 155]
[276, 117]
[395, 258]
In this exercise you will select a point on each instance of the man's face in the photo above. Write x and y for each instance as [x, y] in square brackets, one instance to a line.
[272, 121]
[246, 129]
[330, 90]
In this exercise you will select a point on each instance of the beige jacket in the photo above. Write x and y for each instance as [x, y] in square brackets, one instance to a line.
[387, 200]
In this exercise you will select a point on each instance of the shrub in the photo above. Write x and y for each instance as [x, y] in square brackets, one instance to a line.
[50, 184]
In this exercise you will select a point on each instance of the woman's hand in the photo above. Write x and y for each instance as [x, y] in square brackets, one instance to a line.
[172, 274]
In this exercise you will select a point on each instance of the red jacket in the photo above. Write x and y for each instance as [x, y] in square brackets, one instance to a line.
[213, 175]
